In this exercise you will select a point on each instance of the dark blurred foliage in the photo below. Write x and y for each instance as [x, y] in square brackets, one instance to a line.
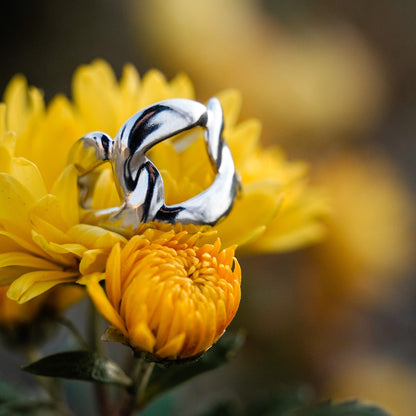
[302, 329]
[48, 40]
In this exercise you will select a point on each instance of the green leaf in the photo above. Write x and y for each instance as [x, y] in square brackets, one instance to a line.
[80, 365]
[350, 408]
[164, 378]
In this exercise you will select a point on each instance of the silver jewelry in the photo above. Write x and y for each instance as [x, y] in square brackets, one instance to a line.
[139, 182]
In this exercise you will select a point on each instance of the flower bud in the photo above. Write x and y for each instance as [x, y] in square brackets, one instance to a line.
[170, 293]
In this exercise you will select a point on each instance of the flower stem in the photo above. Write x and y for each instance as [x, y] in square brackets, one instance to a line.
[101, 393]
[140, 375]
[143, 383]
[74, 331]
[94, 330]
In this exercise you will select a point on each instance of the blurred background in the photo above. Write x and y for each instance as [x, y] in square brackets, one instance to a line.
[333, 82]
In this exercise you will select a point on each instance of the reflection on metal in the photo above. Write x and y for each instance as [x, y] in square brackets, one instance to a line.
[139, 182]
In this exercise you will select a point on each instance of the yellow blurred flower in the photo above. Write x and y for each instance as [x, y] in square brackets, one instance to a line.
[13, 315]
[370, 241]
[45, 239]
[16, 320]
[307, 83]
[375, 378]
[170, 293]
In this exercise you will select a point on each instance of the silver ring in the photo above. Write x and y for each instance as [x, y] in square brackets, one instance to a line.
[138, 180]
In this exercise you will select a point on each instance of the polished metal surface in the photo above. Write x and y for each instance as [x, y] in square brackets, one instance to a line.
[138, 180]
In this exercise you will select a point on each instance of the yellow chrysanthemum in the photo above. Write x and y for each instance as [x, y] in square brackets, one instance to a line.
[170, 293]
[276, 209]
[45, 239]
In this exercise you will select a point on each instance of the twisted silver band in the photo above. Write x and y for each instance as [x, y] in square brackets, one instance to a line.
[139, 182]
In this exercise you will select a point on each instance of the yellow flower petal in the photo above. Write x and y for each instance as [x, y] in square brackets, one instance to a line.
[172, 348]
[250, 130]
[23, 105]
[130, 89]
[103, 305]
[113, 285]
[15, 201]
[181, 87]
[87, 278]
[105, 193]
[52, 250]
[8, 244]
[48, 209]
[35, 283]
[40, 288]
[3, 124]
[97, 97]
[132, 308]
[140, 334]
[10, 273]
[255, 209]
[230, 100]
[66, 191]
[195, 163]
[55, 137]
[154, 88]
[8, 140]
[49, 231]
[10, 241]
[28, 174]
[93, 261]
[165, 158]
[27, 260]
[5, 158]
[94, 237]
[297, 222]
[76, 249]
